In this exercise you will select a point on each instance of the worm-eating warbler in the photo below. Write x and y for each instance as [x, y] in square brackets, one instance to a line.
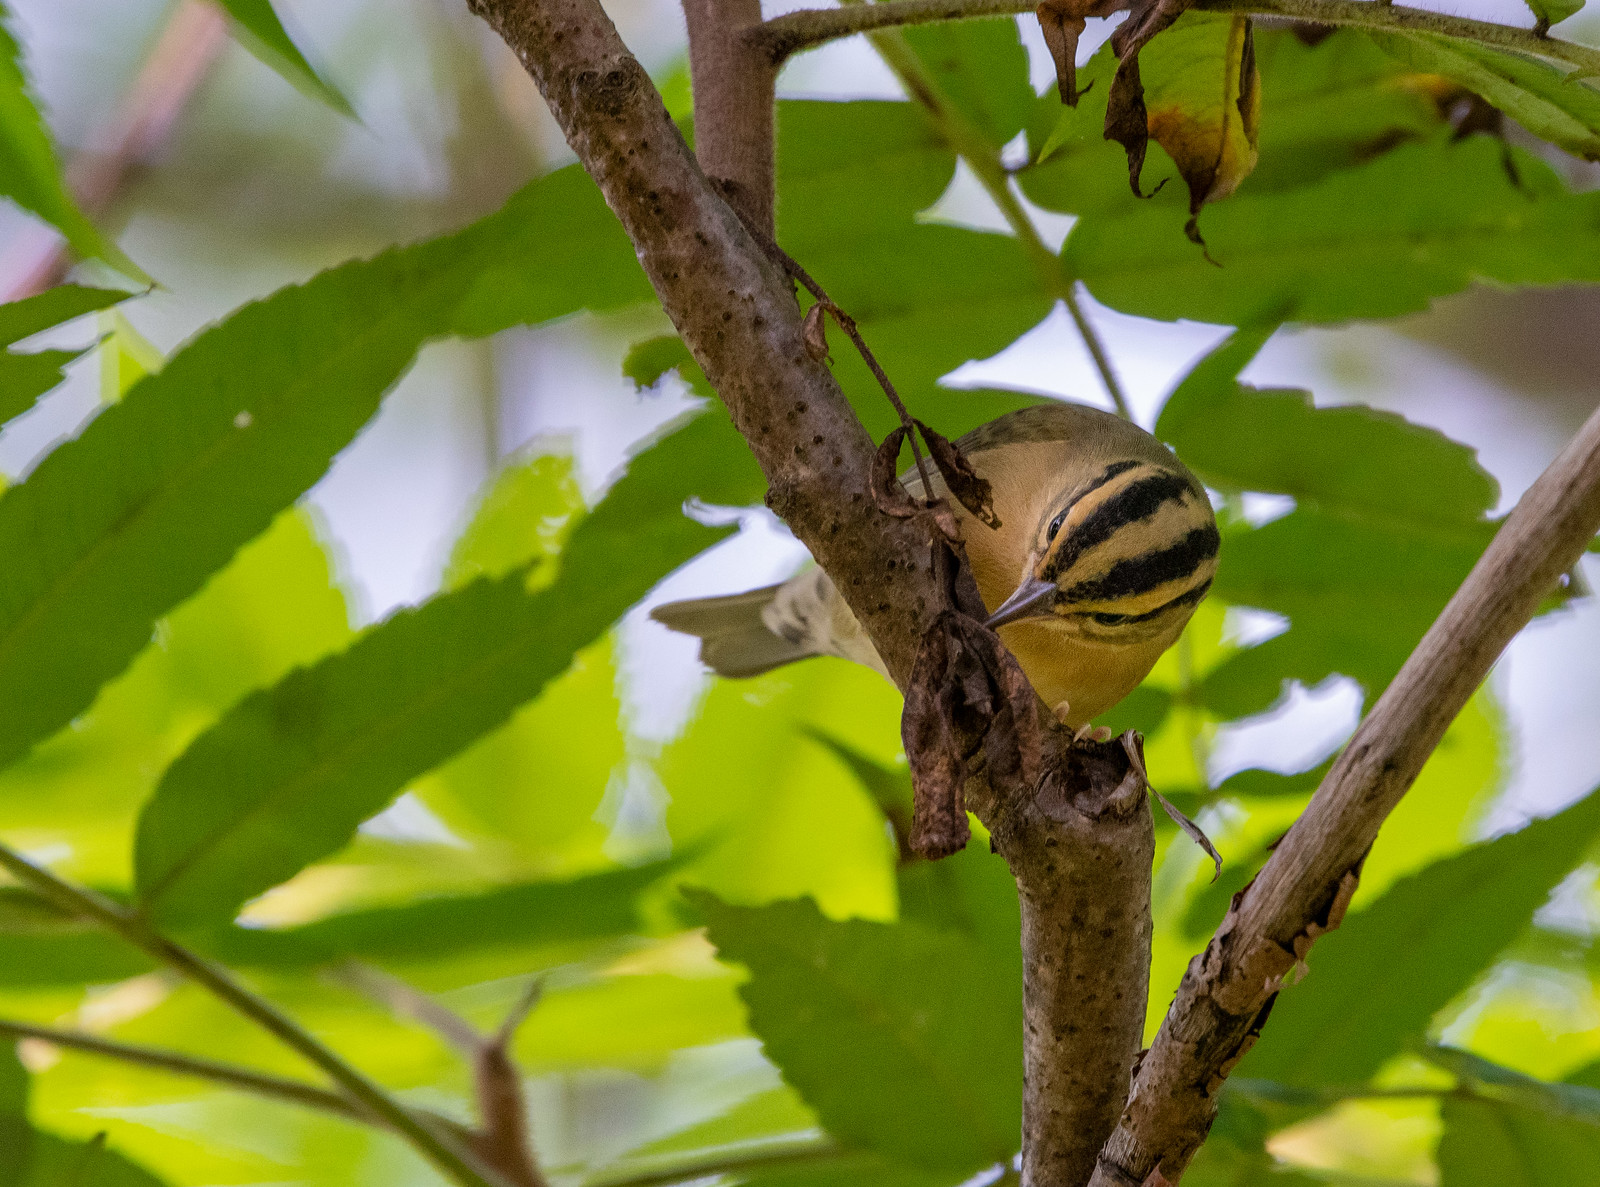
[1106, 544]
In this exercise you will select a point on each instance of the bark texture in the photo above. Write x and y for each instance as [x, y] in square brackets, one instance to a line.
[1305, 886]
[1084, 864]
[734, 103]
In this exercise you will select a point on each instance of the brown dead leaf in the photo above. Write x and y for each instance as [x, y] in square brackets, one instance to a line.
[813, 329]
[888, 495]
[1062, 23]
[971, 491]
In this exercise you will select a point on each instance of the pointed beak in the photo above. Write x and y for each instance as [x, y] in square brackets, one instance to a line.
[1032, 599]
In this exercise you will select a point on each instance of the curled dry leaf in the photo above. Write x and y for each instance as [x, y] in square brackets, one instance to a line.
[971, 491]
[813, 329]
[1195, 91]
[1062, 23]
[888, 495]
[966, 694]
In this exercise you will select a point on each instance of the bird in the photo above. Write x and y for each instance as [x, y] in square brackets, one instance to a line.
[1106, 544]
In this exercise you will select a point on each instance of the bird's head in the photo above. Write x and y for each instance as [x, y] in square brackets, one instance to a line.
[1119, 555]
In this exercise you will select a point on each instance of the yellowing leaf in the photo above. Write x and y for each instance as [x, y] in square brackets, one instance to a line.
[1203, 103]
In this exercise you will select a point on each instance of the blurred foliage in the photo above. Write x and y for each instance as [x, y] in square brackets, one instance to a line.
[744, 975]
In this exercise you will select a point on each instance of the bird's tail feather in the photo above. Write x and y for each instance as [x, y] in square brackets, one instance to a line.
[734, 637]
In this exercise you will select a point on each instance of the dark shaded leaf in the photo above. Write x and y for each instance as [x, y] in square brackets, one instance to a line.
[1378, 980]
[1062, 22]
[287, 775]
[260, 30]
[1543, 99]
[905, 1041]
[129, 519]
[960, 479]
[646, 362]
[26, 377]
[1352, 460]
[31, 1158]
[1500, 1144]
[1375, 241]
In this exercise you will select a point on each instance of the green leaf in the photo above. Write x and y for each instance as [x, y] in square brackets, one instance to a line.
[31, 1158]
[26, 377]
[523, 517]
[1378, 980]
[1553, 12]
[1389, 518]
[1485, 1078]
[844, 1170]
[902, 1039]
[1543, 99]
[1376, 241]
[927, 297]
[595, 906]
[257, 26]
[1502, 1144]
[981, 69]
[646, 362]
[119, 525]
[1353, 460]
[285, 777]
[30, 174]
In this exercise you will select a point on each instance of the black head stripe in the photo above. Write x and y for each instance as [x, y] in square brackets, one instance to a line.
[1137, 501]
[1132, 576]
[1192, 597]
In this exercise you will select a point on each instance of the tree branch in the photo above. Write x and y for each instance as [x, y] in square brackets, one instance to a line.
[808, 28]
[1305, 886]
[733, 84]
[438, 1148]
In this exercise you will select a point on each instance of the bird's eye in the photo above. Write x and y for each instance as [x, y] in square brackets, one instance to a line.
[1055, 526]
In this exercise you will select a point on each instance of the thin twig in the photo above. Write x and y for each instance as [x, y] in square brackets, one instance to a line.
[231, 1075]
[366, 1093]
[808, 28]
[848, 324]
[769, 1155]
[983, 158]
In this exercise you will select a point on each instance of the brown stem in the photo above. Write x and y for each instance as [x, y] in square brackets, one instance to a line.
[809, 28]
[734, 309]
[733, 103]
[1306, 884]
[183, 55]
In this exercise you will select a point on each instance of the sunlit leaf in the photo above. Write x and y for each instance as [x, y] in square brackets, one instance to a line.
[1543, 99]
[901, 1038]
[1377, 981]
[1202, 98]
[31, 1158]
[259, 28]
[1553, 12]
[117, 526]
[1375, 241]
[287, 776]
[30, 174]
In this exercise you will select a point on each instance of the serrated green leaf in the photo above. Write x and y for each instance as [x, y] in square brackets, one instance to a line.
[1543, 99]
[30, 174]
[901, 1038]
[259, 29]
[26, 377]
[1377, 981]
[1376, 241]
[1499, 1144]
[286, 776]
[117, 526]
[927, 297]
[1356, 460]
[981, 69]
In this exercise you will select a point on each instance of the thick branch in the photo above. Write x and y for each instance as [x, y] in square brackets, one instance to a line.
[1306, 884]
[809, 28]
[733, 102]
